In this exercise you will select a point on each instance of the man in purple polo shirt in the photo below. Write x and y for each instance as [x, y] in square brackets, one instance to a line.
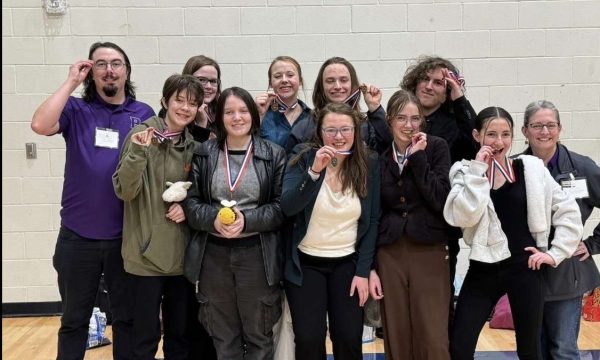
[89, 242]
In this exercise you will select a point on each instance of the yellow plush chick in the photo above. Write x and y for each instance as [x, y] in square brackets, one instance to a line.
[226, 215]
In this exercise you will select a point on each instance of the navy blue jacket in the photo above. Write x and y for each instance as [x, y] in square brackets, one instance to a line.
[572, 277]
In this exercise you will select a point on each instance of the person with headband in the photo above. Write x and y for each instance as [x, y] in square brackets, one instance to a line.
[331, 187]
[337, 82]
[233, 207]
[565, 284]
[411, 266]
[280, 110]
[507, 209]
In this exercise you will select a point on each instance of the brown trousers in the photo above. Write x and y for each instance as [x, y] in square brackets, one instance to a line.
[416, 286]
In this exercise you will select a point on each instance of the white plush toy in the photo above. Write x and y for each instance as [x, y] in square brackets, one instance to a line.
[176, 191]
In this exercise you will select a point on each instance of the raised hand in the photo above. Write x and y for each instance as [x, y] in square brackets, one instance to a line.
[372, 95]
[143, 138]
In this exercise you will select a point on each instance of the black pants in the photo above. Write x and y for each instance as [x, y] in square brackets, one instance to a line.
[238, 308]
[483, 286]
[79, 263]
[325, 291]
[150, 292]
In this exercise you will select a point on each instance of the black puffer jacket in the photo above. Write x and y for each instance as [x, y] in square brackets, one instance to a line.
[266, 219]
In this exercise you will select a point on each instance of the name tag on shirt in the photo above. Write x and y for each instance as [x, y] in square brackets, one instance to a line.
[576, 187]
[107, 138]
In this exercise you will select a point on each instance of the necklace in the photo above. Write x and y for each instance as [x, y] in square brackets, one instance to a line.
[334, 162]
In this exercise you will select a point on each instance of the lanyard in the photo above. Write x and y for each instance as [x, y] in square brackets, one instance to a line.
[233, 182]
[506, 171]
[407, 152]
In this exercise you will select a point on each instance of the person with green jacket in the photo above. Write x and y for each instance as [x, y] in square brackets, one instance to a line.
[155, 234]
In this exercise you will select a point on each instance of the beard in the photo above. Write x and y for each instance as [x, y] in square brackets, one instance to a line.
[110, 90]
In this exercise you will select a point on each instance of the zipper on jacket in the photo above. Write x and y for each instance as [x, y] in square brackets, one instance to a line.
[197, 282]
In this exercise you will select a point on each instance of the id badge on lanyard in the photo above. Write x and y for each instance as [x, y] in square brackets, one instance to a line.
[106, 138]
[576, 186]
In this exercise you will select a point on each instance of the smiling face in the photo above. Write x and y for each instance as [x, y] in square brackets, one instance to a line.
[236, 117]
[209, 76]
[337, 83]
[110, 81]
[431, 90]
[285, 79]
[181, 110]
[338, 131]
[543, 131]
[497, 134]
[406, 123]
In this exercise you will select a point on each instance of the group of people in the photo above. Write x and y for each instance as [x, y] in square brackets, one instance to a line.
[328, 205]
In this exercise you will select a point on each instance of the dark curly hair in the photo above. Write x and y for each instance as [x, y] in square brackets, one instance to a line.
[418, 71]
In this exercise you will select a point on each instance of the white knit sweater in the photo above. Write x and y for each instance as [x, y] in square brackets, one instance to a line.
[470, 207]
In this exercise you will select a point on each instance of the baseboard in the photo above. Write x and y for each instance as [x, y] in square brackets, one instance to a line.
[31, 309]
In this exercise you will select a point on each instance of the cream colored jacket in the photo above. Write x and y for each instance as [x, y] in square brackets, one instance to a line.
[470, 207]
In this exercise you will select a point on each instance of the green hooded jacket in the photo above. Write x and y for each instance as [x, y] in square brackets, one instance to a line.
[153, 245]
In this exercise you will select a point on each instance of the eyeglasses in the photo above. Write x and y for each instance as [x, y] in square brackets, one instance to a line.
[103, 65]
[332, 132]
[414, 121]
[204, 81]
[539, 126]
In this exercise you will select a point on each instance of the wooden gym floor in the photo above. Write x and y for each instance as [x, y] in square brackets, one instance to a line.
[34, 338]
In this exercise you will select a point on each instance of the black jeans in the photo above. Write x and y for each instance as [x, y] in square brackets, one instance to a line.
[325, 291]
[483, 286]
[79, 263]
[149, 293]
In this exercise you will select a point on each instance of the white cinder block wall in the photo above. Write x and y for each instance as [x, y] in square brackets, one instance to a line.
[511, 53]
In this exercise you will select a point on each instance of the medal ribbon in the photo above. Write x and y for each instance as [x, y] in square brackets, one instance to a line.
[506, 171]
[352, 100]
[166, 135]
[406, 154]
[282, 106]
[231, 181]
[210, 116]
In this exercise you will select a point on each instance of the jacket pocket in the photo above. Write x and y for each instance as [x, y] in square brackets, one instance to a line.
[204, 314]
[271, 310]
[166, 247]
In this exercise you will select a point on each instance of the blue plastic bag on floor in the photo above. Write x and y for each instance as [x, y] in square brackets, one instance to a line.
[97, 329]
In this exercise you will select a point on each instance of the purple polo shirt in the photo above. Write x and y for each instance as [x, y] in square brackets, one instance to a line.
[90, 207]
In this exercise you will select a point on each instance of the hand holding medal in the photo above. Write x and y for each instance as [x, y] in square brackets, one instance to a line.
[143, 138]
[263, 101]
[323, 157]
[418, 141]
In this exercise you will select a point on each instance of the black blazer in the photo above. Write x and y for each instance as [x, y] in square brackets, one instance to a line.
[298, 199]
[412, 202]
